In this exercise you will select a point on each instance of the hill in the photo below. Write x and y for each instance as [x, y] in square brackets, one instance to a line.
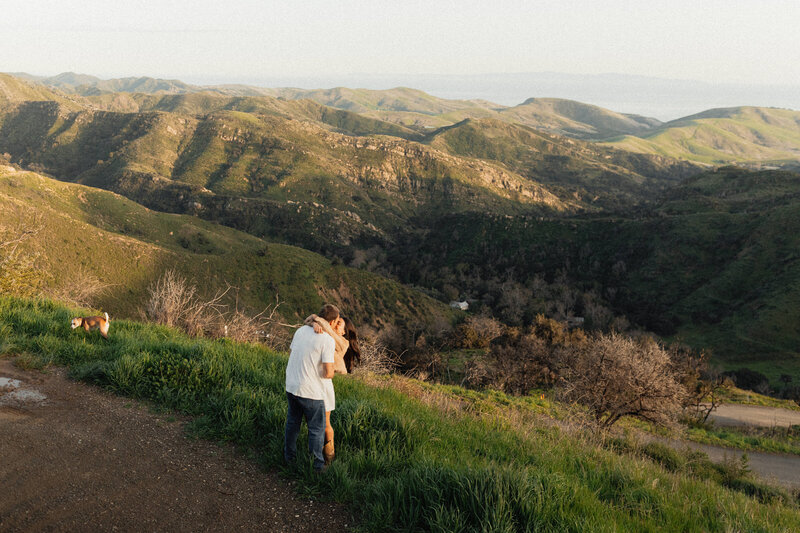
[414, 108]
[410, 456]
[271, 150]
[401, 105]
[266, 150]
[591, 174]
[517, 220]
[14, 91]
[752, 135]
[576, 119]
[89, 233]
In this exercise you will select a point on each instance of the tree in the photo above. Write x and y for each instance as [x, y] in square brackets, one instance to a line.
[477, 332]
[704, 386]
[616, 376]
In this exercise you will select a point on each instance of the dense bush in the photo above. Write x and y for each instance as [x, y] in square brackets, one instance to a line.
[745, 378]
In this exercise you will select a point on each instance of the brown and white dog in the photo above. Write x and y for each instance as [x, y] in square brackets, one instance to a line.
[92, 322]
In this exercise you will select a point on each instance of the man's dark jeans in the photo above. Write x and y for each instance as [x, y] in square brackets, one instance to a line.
[314, 412]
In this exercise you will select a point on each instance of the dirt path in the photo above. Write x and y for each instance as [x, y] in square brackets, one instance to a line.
[75, 458]
[729, 414]
[777, 468]
[782, 469]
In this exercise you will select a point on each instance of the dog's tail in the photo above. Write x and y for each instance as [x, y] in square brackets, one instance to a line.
[108, 319]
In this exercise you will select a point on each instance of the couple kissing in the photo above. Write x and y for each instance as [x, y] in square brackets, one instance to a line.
[327, 344]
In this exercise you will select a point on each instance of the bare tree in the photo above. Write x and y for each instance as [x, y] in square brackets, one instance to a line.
[616, 376]
[174, 302]
[704, 386]
[266, 326]
[376, 358]
[81, 294]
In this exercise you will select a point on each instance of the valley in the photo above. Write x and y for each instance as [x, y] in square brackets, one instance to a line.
[516, 209]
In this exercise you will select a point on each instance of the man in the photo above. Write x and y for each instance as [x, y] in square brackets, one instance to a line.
[308, 380]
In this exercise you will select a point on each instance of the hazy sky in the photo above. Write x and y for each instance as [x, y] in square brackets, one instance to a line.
[752, 41]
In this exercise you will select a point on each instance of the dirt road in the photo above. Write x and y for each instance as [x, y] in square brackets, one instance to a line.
[75, 458]
[781, 469]
[729, 414]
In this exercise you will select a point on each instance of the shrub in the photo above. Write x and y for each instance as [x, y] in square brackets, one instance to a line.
[616, 376]
[477, 332]
[745, 378]
[172, 301]
[376, 358]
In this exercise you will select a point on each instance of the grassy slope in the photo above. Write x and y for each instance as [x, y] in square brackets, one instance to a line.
[751, 303]
[403, 464]
[415, 108]
[719, 136]
[15, 90]
[574, 119]
[129, 246]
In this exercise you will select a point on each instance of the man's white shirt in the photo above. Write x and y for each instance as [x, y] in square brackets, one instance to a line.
[304, 371]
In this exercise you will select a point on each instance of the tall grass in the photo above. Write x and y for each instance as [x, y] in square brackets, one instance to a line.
[402, 465]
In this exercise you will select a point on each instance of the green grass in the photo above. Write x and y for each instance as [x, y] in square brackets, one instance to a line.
[747, 397]
[129, 247]
[719, 136]
[402, 463]
[774, 440]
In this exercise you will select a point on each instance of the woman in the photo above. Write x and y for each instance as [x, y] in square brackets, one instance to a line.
[352, 356]
[337, 330]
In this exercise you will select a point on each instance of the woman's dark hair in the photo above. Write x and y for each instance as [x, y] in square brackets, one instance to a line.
[352, 356]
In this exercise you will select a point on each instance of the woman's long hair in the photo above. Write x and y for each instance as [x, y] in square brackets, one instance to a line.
[352, 356]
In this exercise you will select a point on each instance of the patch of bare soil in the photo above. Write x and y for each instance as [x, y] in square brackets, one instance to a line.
[76, 458]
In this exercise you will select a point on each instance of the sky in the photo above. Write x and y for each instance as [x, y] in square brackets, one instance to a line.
[714, 41]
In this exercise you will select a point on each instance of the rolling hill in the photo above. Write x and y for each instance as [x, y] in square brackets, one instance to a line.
[401, 105]
[744, 135]
[87, 231]
[269, 149]
[751, 135]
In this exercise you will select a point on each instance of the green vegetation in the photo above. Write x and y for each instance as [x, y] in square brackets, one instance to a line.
[93, 236]
[403, 464]
[720, 136]
[717, 270]
[747, 397]
[775, 440]
[517, 220]
[591, 176]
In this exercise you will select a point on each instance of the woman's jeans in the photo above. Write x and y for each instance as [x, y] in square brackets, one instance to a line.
[314, 412]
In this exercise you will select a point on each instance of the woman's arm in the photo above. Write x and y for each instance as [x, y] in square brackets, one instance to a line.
[341, 342]
[321, 325]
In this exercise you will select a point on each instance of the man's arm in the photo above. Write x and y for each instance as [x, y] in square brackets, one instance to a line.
[327, 370]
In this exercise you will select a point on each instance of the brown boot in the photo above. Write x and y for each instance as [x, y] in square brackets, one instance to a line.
[328, 452]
